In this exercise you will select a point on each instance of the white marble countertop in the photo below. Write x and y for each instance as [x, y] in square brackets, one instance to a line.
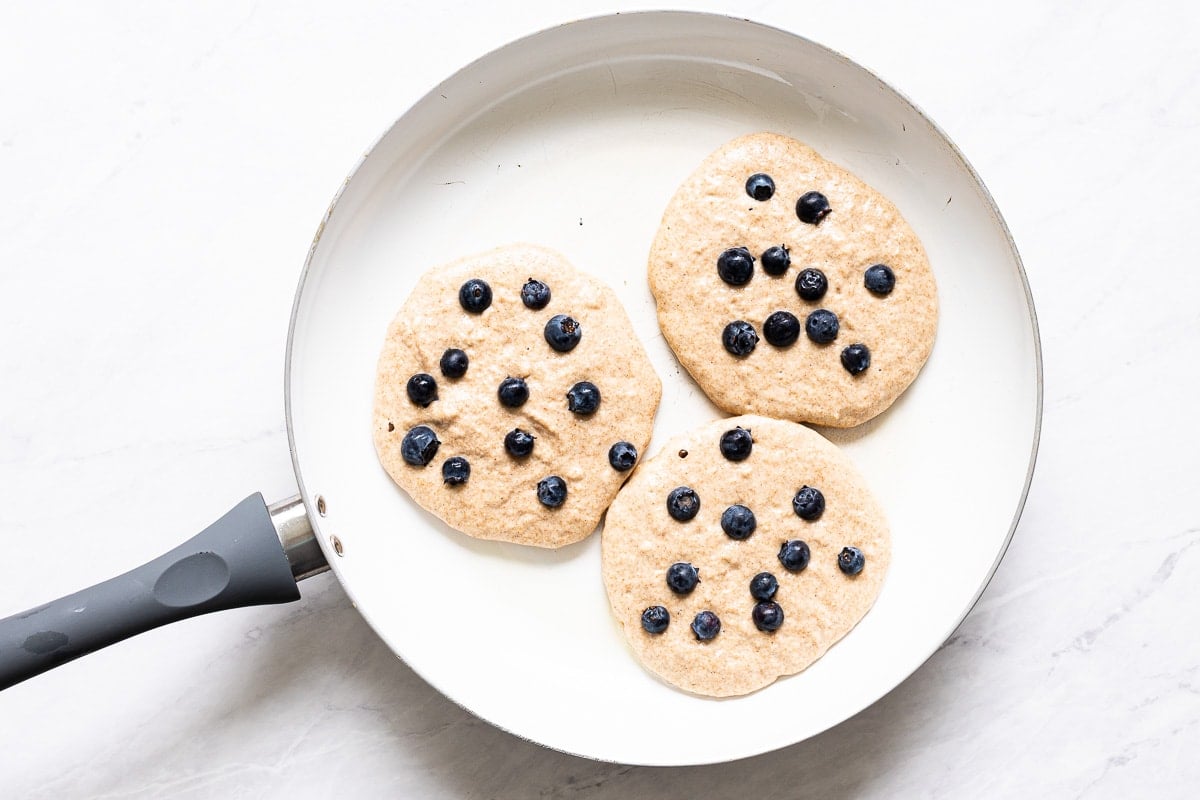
[163, 169]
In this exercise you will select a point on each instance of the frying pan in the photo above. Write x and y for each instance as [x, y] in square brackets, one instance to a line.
[576, 137]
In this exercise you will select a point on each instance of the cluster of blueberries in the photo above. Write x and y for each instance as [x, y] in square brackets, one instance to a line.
[782, 328]
[738, 522]
[562, 333]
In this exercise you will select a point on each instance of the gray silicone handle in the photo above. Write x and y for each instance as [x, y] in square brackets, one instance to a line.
[237, 561]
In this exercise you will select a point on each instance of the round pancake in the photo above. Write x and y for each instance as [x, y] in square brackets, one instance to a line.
[804, 381]
[500, 497]
[820, 604]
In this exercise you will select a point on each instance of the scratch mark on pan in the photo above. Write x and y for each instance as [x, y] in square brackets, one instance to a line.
[722, 94]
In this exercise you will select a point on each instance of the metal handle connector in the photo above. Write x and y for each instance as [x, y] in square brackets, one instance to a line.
[297, 538]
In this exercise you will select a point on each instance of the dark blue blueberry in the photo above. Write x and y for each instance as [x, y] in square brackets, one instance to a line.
[454, 363]
[811, 284]
[856, 358]
[760, 186]
[563, 333]
[535, 294]
[422, 389]
[821, 326]
[776, 260]
[879, 279]
[808, 503]
[513, 392]
[781, 329]
[683, 503]
[475, 296]
[812, 207]
[763, 586]
[622, 456]
[794, 555]
[738, 522]
[419, 446]
[655, 619]
[583, 398]
[706, 626]
[739, 338]
[455, 470]
[518, 443]
[737, 444]
[768, 616]
[736, 266]
[552, 491]
[851, 560]
[682, 577]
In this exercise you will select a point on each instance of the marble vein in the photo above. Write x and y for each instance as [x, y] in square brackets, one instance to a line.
[1144, 590]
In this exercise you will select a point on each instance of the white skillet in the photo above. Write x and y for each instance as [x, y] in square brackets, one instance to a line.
[575, 138]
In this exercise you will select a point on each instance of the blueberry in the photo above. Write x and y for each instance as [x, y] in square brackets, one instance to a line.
[682, 577]
[454, 363]
[739, 338]
[622, 456]
[535, 294]
[513, 392]
[475, 296]
[563, 333]
[422, 389]
[879, 279]
[812, 207]
[851, 560]
[518, 443]
[856, 358]
[794, 555]
[706, 625]
[781, 329]
[552, 491]
[456, 470]
[655, 619]
[808, 503]
[738, 522]
[737, 444]
[821, 326]
[419, 446]
[735, 266]
[683, 503]
[811, 284]
[583, 398]
[768, 616]
[763, 586]
[776, 260]
[760, 186]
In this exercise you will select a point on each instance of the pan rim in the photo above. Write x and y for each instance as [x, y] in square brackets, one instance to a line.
[638, 17]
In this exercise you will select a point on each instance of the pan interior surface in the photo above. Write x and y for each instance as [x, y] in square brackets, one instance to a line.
[576, 138]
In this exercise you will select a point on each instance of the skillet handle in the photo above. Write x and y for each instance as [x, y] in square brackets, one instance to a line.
[239, 560]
